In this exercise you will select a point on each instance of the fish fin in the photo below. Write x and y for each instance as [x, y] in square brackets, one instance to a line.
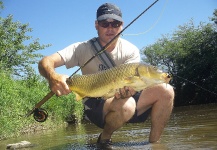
[78, 96]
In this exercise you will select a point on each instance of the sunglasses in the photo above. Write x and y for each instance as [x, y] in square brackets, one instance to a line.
[114, 24]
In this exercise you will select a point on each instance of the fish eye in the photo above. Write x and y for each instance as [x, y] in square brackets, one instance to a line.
[169, 76]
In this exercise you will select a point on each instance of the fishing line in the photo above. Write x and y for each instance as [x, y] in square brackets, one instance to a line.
[196, 85]
[153, 25]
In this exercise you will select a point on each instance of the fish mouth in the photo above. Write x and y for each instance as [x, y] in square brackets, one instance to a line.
[167, 77]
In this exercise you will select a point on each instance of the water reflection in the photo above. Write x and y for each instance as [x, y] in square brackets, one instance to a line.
[192, 127]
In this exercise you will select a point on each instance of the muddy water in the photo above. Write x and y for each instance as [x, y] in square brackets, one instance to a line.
[192, 127]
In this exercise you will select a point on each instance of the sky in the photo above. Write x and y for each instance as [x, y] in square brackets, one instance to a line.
[64, 22]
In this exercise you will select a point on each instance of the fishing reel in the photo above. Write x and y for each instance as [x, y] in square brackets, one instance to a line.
[40, 114]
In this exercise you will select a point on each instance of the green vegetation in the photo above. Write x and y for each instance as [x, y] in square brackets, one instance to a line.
[190, 56]
[21, 88]
[14, 54]
[17, 97]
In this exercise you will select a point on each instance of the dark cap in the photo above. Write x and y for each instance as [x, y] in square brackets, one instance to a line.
[109, 11]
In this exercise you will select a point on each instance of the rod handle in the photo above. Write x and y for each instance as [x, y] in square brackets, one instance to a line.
[38, 105]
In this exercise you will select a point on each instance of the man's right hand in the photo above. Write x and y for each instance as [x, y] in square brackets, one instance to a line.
[57, 83]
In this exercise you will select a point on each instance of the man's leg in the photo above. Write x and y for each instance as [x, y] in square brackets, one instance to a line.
[160, 98]
[117, 112]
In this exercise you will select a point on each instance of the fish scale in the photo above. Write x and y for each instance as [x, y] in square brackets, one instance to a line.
[105, 83]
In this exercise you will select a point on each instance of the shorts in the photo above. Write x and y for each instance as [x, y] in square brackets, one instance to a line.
[93, 111]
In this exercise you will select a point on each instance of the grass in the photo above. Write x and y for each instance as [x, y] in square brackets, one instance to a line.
[17, 97]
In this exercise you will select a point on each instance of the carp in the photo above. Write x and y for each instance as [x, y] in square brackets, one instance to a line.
[106, 83]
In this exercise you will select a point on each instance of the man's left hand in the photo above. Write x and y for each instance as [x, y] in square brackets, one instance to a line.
[125, 92]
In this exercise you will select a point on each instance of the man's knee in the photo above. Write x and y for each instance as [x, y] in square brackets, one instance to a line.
[166, 93]
[130, 106]
[126, 108]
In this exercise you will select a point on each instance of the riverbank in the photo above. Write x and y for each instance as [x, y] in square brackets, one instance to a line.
[190, 127]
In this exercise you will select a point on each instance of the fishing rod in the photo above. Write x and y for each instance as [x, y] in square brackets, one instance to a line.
[40, 114]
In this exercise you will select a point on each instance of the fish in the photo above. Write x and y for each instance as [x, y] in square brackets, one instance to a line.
[106, 83]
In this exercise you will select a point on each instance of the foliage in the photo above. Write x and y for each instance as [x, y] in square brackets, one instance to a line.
[214, 18]
[190, 56]
[20, 96]
[17, 49]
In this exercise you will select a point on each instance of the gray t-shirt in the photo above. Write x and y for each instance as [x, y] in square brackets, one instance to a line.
[79, 53]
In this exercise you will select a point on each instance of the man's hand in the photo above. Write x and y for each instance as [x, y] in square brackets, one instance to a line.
[57, 83]
[125, 92]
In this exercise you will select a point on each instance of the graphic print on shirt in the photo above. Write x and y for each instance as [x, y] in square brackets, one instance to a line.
[102, 67]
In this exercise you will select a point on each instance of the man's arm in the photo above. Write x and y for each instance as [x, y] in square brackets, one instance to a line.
[56, 81]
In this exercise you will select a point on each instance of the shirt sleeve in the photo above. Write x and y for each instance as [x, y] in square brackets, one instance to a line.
[70, 55]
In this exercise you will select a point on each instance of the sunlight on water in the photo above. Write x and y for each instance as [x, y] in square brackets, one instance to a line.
[191, 127]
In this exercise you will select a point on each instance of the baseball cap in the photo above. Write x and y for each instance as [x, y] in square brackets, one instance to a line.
[109, 11]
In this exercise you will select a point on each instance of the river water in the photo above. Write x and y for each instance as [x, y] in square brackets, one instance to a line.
[190, 127]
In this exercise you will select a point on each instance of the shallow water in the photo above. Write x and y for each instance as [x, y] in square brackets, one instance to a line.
[191, 127]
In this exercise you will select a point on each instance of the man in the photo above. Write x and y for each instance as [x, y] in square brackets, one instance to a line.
[126, 105]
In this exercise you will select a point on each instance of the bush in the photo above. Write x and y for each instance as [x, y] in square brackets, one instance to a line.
[17, 97]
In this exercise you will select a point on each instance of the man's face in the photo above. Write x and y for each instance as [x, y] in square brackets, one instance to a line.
[108, 29]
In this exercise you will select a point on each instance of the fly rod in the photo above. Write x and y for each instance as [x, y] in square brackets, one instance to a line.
[40, 115]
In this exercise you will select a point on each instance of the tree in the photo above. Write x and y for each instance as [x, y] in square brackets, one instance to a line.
[190, 56]
[214, 18]
[17, 49]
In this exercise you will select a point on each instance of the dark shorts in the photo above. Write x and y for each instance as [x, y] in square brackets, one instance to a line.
[93, 110]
